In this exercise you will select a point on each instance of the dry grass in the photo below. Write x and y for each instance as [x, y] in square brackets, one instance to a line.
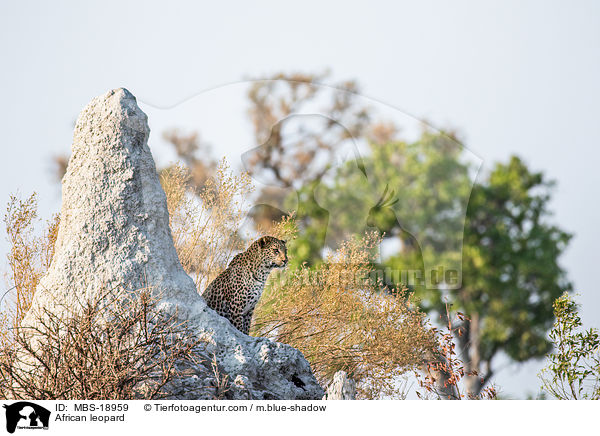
[28, 259]
[286, 229]
[206, 225]
[339, 318]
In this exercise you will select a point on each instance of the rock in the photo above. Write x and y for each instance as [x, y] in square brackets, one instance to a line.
[341, 388]
[114, 232]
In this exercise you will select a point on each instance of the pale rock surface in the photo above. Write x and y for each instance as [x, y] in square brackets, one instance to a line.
[341, 388]
[114, 232]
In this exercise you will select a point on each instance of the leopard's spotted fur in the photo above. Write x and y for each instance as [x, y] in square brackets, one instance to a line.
[235, 292]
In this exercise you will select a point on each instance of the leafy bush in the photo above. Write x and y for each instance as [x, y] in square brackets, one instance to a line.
[573, 371]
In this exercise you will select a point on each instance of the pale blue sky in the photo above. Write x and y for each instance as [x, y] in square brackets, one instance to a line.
[512, 77]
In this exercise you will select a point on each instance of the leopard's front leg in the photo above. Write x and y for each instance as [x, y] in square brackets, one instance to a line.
[238, 323]
[247, 320]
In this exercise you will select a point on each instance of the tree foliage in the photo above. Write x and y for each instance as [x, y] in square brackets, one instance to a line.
[300, 126]
[511, 271]
[289, 151]
[415, 193]
[510, 250]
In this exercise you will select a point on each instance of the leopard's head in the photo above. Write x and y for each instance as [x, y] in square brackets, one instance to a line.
[273, 252]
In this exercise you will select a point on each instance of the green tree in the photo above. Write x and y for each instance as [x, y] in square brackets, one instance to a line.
[511, 274]
[510, 250]
[413, 192]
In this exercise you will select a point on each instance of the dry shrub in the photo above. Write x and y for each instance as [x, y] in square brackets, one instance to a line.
[28, 258]
[340, 319]
[206, 225]
[285, 229]
[116, 345]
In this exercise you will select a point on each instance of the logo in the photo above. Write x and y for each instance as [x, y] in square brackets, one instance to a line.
[26, 415]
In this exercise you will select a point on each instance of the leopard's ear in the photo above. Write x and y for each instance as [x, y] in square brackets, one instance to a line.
[262, 242]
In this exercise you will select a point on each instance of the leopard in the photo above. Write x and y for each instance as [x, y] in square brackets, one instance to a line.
[235, 292]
